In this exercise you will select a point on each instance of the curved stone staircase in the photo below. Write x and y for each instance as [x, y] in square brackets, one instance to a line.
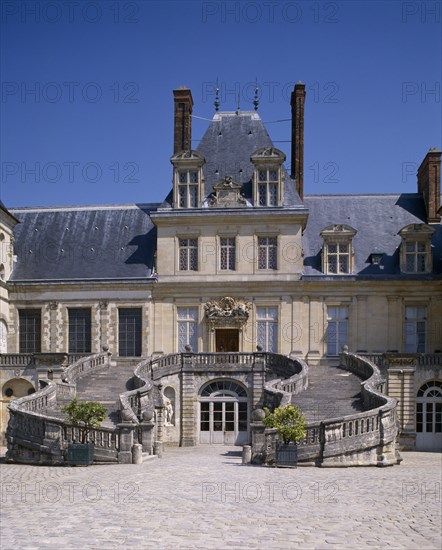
[332, 392]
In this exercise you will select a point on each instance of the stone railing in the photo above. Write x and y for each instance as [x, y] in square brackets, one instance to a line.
[393, 359]
[366, 438]
[16, 359]
[143, 407]
[133, 402]
[35, 435]
[86, 365]
[279, 392]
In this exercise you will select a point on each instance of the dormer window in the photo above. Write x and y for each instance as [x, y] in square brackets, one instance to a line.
[415, 253]
[188, 179]
[337, 251]
[188, 189]
[268, 178]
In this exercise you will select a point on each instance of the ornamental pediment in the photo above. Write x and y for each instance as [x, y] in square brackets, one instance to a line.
[228, 194]
[417, 229]
[266, 153]
[338, 229]
[227, 309]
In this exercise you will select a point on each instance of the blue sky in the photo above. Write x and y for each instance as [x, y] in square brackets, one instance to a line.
[87, 105]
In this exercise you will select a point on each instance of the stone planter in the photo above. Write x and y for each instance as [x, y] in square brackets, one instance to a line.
[286, 456]
[80, 454]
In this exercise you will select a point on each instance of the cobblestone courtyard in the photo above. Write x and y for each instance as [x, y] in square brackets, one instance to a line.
[205, 498]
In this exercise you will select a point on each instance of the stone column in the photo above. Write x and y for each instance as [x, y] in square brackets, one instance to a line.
[394, 323]
[126, 430]
[401, 387]
[361, 324]
[104, 323]
[188, 436]
[257, 428]
[53, 336]
[147, 433]
[316, 331]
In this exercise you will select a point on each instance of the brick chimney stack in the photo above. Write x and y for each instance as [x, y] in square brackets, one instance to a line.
[182, 124]
[428, 183]
[297, 171]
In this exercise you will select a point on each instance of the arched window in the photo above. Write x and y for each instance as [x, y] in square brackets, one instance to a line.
[429, 416]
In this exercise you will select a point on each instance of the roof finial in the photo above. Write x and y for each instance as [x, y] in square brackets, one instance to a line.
[216, 103]
[256, 99]
[238, 108]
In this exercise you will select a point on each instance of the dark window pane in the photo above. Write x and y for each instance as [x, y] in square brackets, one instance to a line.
[79, 330]
[129, 332]
[30, 330]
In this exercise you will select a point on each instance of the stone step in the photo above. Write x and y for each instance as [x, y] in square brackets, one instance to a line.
[332, 392]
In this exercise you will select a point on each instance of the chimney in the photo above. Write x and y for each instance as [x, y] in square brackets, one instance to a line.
[428, 183]
[297, 103]
[182, 123]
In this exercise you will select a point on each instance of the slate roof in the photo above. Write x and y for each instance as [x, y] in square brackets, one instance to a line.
[116, 242]
[377, 219]
[227, 146]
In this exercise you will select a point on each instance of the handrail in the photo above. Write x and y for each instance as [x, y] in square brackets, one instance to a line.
[133, 402]
[283, 389]
[355, 432]
[16, 359]
[85, 365]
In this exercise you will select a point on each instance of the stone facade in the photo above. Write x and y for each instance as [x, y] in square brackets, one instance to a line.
[313, 273]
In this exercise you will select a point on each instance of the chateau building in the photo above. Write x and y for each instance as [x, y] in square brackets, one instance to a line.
[237, 258]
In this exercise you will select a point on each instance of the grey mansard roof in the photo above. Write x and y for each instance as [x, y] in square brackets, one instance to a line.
[227, 145]
[377, 219]
[75, 243]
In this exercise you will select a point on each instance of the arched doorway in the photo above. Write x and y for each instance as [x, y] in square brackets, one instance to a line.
[223, 416]
[429, 417]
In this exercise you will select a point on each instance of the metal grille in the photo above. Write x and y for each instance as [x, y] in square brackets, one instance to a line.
[267, 252]
[188, 254]
[228, 253]
[129, 332]
[337, 329]
[187, 328]
[30, 330]
[338, 258]
[415, 257]
[79, 330]
[267, 328]
[415, 329]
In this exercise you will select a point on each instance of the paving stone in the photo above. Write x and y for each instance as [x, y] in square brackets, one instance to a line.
[204, 498]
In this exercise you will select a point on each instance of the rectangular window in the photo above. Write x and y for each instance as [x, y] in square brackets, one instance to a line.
[337, 329]
[415, 329]
[227, 253]
[267, 187]
[188, 254]
[187, 328]
[415, 257]
[188, 189]
[29, 330]
[267, 252]
[338, 258]
[267, 328]
[79, 330]
[129, 332]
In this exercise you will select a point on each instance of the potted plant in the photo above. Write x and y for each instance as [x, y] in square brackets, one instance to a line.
[291, 425]
[86, 415]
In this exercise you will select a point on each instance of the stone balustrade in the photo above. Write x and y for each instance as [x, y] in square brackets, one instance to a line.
[366, 438]
[393, 359]
[16, 359]
[86, 365]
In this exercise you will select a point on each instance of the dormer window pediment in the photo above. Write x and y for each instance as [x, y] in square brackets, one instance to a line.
[268, 178]
[188, 179]
[337, 251]
[415, 251]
